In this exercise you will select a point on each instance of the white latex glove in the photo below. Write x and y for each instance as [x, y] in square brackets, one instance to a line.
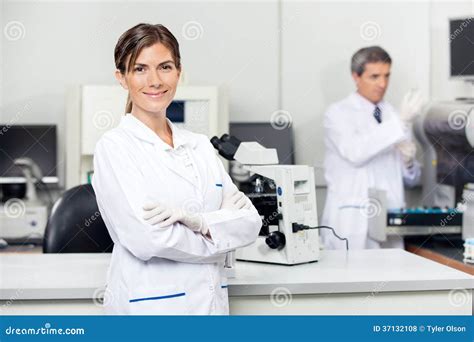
[236, 201]
[411, 105]
[162, 215]
[407, 149]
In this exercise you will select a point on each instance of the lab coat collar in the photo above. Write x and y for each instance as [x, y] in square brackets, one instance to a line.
[143, 132]
[180, 138]
[364, 103]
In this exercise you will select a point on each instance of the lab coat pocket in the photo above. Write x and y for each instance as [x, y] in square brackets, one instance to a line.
[158, 300]
[214, 197]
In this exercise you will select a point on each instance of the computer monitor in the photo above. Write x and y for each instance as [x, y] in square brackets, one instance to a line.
[176, 112]
[268, 136]
[461, 41]
[38, 142]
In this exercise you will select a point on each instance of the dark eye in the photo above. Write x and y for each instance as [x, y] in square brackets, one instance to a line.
[138, 69]
[167, 67]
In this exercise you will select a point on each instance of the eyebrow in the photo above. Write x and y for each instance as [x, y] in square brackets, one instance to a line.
[162, 63]
[387, 74]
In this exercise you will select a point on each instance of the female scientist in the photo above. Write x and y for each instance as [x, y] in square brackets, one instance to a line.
[169, 206]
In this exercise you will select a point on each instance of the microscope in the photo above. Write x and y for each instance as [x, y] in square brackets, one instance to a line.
[285, 198]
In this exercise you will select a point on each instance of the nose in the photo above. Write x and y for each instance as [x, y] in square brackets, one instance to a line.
[154, 79]
[383, 83]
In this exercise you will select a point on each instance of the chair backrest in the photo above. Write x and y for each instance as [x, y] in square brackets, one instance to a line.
[75, 224]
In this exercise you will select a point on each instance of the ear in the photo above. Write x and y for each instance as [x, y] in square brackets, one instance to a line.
[356, 78]
[121, 78]
[181, 77]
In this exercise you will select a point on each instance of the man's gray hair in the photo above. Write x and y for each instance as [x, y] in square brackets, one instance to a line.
[371, 54]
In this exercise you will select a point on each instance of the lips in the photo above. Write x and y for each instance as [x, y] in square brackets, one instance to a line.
[155, 95]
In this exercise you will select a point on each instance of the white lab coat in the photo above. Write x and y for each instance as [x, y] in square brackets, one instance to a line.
[170, 270]
[361, 154]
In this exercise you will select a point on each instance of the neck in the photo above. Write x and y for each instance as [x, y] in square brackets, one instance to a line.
[365, 97]
[157, 123]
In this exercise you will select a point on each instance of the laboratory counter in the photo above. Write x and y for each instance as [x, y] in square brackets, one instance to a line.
[375, 282]
[445, 249]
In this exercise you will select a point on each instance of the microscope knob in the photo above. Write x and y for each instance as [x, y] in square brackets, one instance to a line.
[276, 240]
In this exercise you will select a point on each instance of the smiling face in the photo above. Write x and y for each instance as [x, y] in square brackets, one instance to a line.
[373, 82]
[151, 80]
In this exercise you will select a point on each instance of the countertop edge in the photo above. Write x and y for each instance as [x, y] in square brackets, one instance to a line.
[238, 290]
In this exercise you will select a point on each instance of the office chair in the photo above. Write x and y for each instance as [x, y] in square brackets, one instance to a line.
[75, 224]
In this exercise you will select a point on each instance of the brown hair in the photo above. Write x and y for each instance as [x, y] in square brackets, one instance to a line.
[132, 42]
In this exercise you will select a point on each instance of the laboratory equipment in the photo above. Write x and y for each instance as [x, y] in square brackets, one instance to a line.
[446, 136]
[384, 221]
[24, 218]
[284, 196]
[469, 251]
[265, 134]
[461, 38]
[37, 142]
